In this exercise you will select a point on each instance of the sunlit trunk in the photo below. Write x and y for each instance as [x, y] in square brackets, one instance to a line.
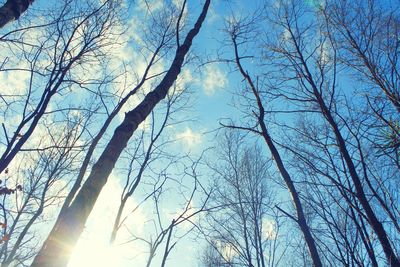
[59, 244]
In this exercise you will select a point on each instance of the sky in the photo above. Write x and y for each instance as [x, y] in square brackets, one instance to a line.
[211, 87]
[210, 92]
[188, 142]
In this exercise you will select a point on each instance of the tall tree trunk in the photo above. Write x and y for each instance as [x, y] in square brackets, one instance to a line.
[12, 10]
[301, 219]
[373, 220]
[60, 242]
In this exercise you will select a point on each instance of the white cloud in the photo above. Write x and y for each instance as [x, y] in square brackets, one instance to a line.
[177, 3]
[213, 16]
[185, 78]
[286, 35]
[268, 229]
[150, 5]
[183, 81]
[228, 251]
[214, 79]
[14, 82]
[184, 211]
[190, 138]
[324, 53]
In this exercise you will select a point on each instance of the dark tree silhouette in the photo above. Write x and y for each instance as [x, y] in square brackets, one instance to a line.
[12, 10]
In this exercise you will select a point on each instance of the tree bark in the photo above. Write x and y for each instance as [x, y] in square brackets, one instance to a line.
[373, 220]
[59, 244]
[12, 10]
[301, 219]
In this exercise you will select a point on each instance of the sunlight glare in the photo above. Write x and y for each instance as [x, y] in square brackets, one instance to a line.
[95, 253]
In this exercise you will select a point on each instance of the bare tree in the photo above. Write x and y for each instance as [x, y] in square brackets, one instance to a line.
[211, 257]
[88, 89]
[69, 44]
[149, 148]
[165, 229]
[44, 175]
[367, 36]
[315, 71]
[45, 127]
[241, 225]
[239, 33]
[57, 247]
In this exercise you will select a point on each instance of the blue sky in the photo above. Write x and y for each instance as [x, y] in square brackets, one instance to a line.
[210, 101]
[211, 89]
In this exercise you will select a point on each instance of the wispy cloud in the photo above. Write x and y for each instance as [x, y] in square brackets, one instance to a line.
[150, 5]
[269, 229]
[190, 138]
[214, 79]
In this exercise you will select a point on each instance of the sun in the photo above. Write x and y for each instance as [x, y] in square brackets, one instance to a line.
[93, 247]
[93, 252]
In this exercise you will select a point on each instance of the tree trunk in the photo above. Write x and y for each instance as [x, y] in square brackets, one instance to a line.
[12, 10]
[373, 220]
[301, 219]
[62, 239]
